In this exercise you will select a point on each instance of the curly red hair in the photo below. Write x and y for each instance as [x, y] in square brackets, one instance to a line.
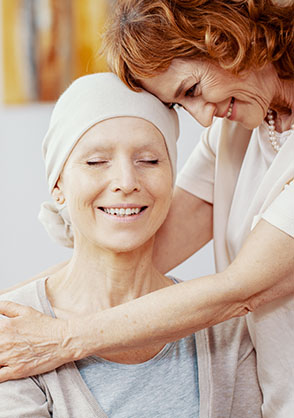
[144, 36]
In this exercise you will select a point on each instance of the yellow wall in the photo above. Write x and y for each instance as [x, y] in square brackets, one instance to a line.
[66, 47]
[13, 85]
[89, 20]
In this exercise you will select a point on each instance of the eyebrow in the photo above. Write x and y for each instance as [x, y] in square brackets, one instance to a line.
[180, 88]
[177, 93]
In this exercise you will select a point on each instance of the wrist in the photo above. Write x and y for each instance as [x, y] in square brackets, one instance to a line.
[73, 344]
[78, 339]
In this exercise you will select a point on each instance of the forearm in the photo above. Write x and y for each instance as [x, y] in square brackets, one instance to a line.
[33, 343]
[257, 276]
[182, 235]
[162, 316]
[166, 315]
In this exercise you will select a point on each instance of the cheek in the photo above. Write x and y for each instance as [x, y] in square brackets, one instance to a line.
[76, 207]
[164, 192]
[79, 200]
[163, 206]
[162, 180]
[216, 92]
[168, 199]
[81, 189]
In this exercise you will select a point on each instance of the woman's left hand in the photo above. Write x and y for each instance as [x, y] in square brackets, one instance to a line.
[31, 342]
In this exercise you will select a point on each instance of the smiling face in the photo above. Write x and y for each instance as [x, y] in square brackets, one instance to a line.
[205, 90]
[117, 184]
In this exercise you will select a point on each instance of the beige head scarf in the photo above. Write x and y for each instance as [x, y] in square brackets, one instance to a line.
[89, 100]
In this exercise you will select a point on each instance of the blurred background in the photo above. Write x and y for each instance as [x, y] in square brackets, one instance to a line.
[44, 45]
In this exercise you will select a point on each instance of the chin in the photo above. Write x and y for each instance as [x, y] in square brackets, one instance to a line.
[251, 124]
[127, 245]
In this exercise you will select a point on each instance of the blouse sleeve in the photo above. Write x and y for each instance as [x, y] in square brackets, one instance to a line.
[281, 212]
[197, 175]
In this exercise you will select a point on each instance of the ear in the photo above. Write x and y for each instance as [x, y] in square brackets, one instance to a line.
[58, 195]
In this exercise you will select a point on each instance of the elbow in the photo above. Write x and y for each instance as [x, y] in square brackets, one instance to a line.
[245, 298]
[248, 295]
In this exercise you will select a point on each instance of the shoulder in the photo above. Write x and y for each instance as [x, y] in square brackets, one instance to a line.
[28, 295]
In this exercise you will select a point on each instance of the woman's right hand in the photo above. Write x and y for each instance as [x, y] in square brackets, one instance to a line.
[31, 342]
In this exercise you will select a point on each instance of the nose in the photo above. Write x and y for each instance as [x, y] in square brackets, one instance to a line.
[125, 178]
[201, 111]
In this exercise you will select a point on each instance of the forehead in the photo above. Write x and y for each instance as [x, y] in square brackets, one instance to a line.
[121, 131]
[182, 73]
[166, 83]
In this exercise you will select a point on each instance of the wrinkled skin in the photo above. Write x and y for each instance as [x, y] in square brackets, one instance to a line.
[32, 343]
[25, 351]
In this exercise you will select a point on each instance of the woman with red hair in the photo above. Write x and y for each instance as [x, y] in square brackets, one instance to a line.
[230, 64]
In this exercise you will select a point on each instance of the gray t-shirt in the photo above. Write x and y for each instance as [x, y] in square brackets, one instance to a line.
[164, 386]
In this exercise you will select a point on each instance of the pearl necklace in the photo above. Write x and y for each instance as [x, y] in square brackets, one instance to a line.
[272, 131]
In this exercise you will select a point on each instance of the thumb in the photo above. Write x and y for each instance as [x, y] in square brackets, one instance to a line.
[12, 309]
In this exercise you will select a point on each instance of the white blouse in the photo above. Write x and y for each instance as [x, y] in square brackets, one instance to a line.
[239, 172]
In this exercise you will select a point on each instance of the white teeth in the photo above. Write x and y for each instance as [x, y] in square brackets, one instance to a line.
[229, 113]
[122, 211]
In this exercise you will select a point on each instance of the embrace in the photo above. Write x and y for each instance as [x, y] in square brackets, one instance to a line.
[230, 64]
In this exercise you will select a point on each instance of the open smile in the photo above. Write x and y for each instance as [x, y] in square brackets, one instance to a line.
[122, 212]
[230, 110]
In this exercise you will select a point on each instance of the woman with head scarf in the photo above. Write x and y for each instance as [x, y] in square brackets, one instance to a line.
[231, 65]
[110, 157]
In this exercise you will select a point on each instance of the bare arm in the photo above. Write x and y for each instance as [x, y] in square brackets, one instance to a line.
[263, 271]
[187, 228]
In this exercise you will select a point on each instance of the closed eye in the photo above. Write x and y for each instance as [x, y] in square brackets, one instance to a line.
[191, 90]
[100, 162]
[152, 162]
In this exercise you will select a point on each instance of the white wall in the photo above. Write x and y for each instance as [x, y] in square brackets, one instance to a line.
[25, 248]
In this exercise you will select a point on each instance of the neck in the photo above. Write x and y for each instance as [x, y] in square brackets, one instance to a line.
[100, 279]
